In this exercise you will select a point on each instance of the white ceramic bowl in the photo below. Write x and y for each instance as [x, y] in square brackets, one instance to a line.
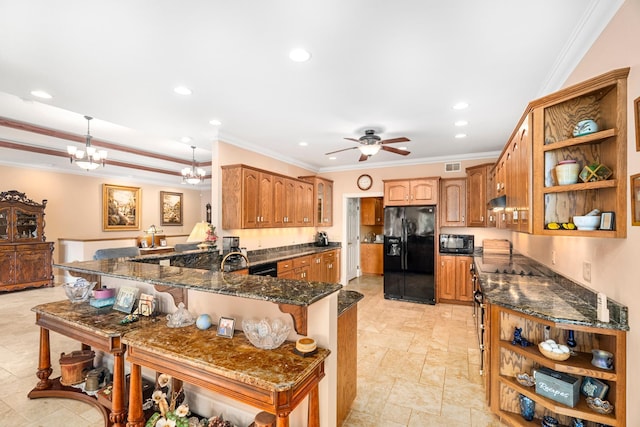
[587, 222]
[266, 334]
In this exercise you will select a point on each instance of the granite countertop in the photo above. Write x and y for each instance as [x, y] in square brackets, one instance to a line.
[100, 321]
[237, 359]
[282, 291]
[524, 285]
[347, 299]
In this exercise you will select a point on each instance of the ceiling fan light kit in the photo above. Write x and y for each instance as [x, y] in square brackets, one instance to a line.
[94, 158]
[193, 175]
[371, 144]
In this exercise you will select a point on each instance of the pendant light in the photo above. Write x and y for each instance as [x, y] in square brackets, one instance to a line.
[90, 158]
[193, 175]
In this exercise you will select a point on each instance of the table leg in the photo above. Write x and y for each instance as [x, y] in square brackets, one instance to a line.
[44, 362]
[136, 414]
[314, 408]
[118, 414]
[282, 420]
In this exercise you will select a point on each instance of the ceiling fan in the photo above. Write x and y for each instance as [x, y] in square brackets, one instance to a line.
[370, 144]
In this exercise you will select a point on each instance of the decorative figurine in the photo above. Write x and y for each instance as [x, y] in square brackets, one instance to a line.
[519, 339]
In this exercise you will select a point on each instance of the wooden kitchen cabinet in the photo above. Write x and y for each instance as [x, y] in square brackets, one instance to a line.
[408, 192]
[25, 255]
[371, 258]
[603, 99]
[295, 268]
[254, 198]
[320, 267]
[371, 211]
[453, 202]
[323, 198]
[454, 279]
[477, 195]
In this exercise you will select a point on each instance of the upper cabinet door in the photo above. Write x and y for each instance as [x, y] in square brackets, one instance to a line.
[452, 206]
[420, 191]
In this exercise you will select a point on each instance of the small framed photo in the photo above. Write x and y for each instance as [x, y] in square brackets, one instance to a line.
[146, 305]
[144, 244]
[607, 221]
[225, 327]
[126, 299]
[163, 242]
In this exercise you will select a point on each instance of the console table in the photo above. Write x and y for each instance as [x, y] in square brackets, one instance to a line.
[275, 381]
[94, 328]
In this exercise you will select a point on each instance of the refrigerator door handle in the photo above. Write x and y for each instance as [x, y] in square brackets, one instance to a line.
[404, 245]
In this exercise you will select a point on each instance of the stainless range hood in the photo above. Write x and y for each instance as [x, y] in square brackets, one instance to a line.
[497, 203]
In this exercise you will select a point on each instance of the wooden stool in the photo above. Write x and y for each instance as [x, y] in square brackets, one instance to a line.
[265, 419]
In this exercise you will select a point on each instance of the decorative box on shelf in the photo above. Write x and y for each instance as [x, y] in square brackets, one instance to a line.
[557, 386]
[595, 172]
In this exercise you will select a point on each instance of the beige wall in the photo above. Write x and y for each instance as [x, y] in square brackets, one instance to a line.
[74, 204]
[614, 262]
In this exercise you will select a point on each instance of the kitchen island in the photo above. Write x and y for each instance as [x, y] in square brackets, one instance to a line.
[517, 292]
[313, 306]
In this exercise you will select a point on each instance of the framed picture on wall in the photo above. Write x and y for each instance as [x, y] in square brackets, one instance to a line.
[170, 208]
[120, 207]
[635, 199]
[636, 115]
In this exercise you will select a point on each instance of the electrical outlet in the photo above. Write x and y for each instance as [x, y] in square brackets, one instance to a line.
[553, 257]
[586, 271]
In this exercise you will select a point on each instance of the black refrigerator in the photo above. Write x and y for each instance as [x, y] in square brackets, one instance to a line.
[409, 253]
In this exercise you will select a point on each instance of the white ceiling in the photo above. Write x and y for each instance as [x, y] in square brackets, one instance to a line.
[394, 66]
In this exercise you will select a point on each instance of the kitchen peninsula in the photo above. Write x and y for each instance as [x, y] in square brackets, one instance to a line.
[313, 306]
[517, 292]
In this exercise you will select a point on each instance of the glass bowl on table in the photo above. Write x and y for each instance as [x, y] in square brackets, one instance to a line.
[266, 334]
[79, 290]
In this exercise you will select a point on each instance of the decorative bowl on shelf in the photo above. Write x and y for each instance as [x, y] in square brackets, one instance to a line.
[557, 353]
[79, 290]
[266, 334]
[599, 405]
[526, 379]
[587, 222]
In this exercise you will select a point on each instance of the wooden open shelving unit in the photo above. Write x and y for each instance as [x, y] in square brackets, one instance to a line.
[507, 360]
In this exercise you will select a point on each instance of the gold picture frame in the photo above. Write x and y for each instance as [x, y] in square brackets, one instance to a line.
[636, 110]
[120, 207]
[170, 208]
[635, 199]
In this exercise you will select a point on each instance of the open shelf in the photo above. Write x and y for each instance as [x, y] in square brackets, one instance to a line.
[591, 138]
[581, 410]
[580, 364]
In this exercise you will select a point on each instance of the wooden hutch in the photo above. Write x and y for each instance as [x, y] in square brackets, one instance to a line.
[25, 255]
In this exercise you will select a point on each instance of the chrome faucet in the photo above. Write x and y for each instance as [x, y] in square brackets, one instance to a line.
[224, 259]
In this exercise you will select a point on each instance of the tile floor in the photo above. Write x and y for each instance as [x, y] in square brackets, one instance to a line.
[417, 365]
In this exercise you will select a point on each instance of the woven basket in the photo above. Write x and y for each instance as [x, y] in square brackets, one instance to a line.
[553, 356]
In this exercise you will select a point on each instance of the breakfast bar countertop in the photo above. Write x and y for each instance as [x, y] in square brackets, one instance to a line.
[265, 288]
[524, 285]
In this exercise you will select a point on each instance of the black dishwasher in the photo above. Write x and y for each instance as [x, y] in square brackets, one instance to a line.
[268, 269]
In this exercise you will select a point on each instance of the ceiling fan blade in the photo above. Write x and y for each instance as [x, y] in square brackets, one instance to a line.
[395, 150]
[337, 151]
[392, 140]
[363, 157]
[353, 139]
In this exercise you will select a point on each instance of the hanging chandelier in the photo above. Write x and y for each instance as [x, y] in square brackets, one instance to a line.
[193, 175]
[89, 158]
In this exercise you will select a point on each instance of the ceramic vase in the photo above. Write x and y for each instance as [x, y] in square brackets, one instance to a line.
[527, 407]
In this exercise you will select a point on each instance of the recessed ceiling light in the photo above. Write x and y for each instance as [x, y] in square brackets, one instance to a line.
[185, 139]
[461, 135]
[332, 158]
[303, 143]
[182, 90]
[460, 106]
[461, 123]
[299, 55]
[402, 148]
[41, 94]
[215, 122]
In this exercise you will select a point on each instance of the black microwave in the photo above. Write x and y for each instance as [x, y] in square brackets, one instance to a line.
[456, 244]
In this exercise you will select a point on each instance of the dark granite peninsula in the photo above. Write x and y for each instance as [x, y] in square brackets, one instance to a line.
[312, 306]
[518, 292]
